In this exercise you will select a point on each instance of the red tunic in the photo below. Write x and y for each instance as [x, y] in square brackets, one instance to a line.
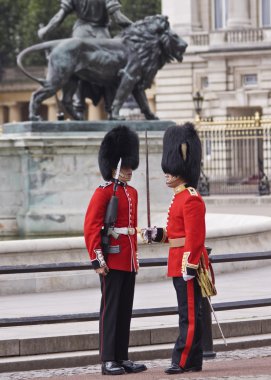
[126, 259]
[186, 218]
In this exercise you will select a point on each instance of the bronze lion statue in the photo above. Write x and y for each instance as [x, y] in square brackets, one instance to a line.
[116, 68]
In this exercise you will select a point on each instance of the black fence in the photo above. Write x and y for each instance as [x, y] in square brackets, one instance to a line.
[236, 156]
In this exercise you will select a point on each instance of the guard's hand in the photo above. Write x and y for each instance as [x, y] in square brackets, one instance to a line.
[146, 232]
[102, 271]
[187, 277]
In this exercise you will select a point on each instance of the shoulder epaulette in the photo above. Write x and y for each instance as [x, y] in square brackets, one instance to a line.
[192, 191]
[105, 184]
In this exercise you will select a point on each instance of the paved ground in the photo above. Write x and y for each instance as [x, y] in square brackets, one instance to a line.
[245, 209]
[239, 364]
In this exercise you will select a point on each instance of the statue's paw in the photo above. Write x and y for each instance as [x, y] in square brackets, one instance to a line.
[117, 117]
[79, 116]
[35, 118]
[151, 116]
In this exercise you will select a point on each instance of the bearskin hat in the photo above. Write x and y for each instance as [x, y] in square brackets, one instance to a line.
[119, 142]
[182, 153]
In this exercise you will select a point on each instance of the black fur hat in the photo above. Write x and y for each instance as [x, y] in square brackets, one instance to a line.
[120, 142]
[182, 153]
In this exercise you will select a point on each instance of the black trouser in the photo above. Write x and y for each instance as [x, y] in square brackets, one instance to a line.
[187, 351]
[115, 314]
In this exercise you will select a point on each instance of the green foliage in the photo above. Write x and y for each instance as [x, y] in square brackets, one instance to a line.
[20, 21]
[138, 9]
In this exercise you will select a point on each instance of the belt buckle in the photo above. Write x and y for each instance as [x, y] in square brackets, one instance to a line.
[131, 231]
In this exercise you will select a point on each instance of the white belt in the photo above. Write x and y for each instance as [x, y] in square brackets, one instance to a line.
[124, 230]
[176, 243]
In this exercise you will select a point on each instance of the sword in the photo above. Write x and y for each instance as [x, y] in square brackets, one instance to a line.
[117, 176]
[218, 324]
[148, 188]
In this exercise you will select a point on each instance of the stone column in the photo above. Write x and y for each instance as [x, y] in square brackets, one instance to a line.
[1, 115]
[52, 109]
[238, 14]
[151, 98]
[196, 15]
[96, 113]
[184, 16]
[14, 112]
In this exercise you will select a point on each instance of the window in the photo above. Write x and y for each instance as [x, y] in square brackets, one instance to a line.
[266, 19]
[220, 13]
[249, 80]
[204, 82]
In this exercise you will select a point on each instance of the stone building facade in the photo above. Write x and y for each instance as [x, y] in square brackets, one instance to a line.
[228, 59]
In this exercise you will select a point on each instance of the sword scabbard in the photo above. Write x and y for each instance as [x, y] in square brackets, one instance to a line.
[148, 187]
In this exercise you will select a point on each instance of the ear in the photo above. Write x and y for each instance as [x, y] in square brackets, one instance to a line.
[163, 24]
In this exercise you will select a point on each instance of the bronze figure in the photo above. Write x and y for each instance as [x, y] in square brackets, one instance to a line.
[124, 65]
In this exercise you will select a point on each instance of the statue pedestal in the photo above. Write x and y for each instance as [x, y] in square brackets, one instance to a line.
[61, 127]
[50, 170]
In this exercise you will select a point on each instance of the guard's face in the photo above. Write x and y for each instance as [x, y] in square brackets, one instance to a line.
[173, 181]
[125, 174]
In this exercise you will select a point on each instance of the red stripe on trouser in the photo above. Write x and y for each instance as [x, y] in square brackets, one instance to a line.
[191, 323]
[102, 321]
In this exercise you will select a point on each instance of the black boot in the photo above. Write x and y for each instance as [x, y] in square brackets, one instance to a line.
[132, 367]
[175, 369]
[112, 368]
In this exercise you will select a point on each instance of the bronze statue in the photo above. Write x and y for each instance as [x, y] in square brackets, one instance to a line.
[123, 65]
[93, 18]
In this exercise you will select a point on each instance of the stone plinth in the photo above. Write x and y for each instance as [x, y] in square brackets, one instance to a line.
[48, 172]
[65, 126]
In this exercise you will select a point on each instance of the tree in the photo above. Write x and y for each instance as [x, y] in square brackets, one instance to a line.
[139, 9]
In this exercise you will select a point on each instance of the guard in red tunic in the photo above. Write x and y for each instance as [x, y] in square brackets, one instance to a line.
[185, 233]
[113, 248]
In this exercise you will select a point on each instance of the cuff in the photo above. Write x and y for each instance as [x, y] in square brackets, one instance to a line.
[161, 235]
[188, 268]
[95, 264]
[191, 271]
[99, 261]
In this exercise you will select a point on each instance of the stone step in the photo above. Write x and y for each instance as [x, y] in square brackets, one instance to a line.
[89, 357]
[74, 337]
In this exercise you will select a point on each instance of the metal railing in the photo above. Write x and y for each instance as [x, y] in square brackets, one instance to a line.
[236, 36]
[200, 39]
[244, 35]
[215, 259]
[236, 155]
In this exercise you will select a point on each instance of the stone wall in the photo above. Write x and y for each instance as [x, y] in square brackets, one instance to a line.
[47, 180]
